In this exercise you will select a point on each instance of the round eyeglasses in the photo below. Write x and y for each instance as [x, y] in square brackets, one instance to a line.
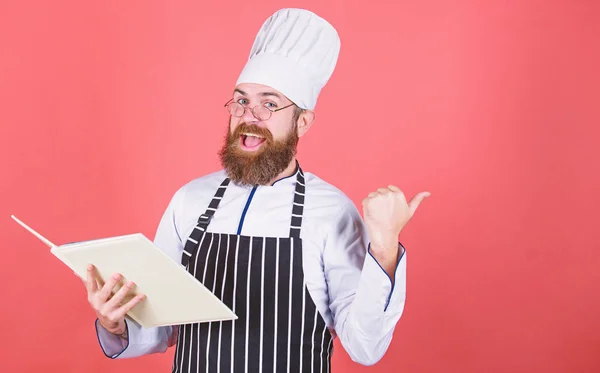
[260, 112]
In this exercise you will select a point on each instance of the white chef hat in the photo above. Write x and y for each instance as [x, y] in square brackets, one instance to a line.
[295, 52]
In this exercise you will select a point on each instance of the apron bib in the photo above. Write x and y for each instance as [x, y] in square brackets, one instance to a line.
[279, 328]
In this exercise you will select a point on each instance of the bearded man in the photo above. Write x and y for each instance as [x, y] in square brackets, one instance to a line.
[289, 253]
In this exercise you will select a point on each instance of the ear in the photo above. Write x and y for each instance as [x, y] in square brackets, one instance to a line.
[305, 121]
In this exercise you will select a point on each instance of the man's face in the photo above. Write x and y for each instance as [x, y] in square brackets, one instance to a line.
[277, 127]
[255, 150]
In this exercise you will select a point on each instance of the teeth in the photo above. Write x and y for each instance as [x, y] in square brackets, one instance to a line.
[253, 135]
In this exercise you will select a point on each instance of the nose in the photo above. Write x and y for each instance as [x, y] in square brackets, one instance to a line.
[248, 116]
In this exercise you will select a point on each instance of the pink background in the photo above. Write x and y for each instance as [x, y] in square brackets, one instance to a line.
[108, 107]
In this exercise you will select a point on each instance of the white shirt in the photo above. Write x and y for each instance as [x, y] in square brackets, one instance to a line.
[351, 291]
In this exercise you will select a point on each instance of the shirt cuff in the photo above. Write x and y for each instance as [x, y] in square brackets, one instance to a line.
[399, 273]
[112, 345]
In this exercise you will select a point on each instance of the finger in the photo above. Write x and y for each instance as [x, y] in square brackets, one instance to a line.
[373, 194]
[90, 281]
[394, 188]
[383, 190]
[397, 191]
[122, 311]
[416, 201]
[99, 281]
[116, 300]
[109, 286]
[97, 278]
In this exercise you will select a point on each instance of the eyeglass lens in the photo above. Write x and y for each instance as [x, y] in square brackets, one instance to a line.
[237, 110]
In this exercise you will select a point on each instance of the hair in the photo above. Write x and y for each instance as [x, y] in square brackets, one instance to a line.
[297, 112]
[261, 167]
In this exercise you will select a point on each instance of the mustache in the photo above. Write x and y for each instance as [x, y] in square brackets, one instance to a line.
[254, 130]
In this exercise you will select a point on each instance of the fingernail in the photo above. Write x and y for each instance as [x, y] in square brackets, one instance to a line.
[116, 276]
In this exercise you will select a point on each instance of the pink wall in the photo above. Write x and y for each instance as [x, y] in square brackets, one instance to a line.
[108, 107]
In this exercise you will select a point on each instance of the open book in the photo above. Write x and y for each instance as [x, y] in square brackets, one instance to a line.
[173, 295]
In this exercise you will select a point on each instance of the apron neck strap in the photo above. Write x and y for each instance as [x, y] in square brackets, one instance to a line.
[297, 208]
[205, 218]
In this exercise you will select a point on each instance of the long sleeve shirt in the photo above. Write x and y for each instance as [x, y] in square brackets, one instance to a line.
[357, 299]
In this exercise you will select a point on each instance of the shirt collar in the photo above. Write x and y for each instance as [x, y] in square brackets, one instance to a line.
[287, 178]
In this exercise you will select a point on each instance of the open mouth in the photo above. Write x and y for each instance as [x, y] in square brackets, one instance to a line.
[250, 141]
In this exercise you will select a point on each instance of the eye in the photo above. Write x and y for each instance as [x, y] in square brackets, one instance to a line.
[242, 101]
[270, 105]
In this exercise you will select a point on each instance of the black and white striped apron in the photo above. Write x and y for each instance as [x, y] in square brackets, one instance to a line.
[261, 279]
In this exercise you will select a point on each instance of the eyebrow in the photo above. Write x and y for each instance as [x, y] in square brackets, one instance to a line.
[264, 94]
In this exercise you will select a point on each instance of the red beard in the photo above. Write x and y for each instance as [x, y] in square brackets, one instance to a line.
[258, 167]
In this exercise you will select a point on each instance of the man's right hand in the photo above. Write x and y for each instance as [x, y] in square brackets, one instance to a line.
[109, 310]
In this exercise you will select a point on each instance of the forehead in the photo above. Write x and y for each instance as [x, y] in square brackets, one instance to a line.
[258, 90]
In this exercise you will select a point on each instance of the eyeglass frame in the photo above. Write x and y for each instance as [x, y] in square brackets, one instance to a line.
[252, 109]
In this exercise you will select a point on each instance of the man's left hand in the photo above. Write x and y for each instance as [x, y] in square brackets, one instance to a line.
[386, 212]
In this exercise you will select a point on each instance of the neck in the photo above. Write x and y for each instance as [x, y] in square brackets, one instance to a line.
[289, 171]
